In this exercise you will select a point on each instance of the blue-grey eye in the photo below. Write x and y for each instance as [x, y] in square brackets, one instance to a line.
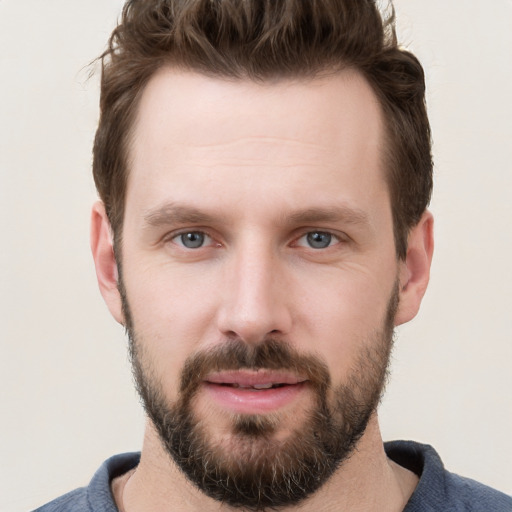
[192, 239]
[319, 239]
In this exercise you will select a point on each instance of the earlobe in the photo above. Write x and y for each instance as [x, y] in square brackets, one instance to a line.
[415, 270]
[104, 260]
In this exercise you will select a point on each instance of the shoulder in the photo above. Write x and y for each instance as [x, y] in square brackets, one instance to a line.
[75, 500]
[439, 489]
[96, 497]
[468, 494]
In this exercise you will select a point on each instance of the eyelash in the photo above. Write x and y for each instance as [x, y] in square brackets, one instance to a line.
[177, 236]
[331, 237]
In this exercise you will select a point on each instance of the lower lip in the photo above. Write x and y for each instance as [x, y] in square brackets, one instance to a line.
[250, 401]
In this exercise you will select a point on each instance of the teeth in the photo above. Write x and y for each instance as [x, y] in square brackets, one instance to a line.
[256, 386]
[267, 385]
[263, 386]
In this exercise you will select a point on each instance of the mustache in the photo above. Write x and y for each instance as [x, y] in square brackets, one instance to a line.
[270, 354]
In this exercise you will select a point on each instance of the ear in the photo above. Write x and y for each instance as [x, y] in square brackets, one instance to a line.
[104, 260]
[414, 271]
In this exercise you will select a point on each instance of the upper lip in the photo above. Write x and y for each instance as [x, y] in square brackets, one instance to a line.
[254, 377]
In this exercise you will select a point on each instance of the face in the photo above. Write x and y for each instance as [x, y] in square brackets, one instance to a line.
[259, 276]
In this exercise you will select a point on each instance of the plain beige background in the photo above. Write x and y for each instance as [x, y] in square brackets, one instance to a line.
[66, 396]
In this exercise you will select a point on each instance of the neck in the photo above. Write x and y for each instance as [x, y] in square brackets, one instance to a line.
[367, 481]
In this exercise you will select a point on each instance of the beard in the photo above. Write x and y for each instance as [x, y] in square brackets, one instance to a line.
[253, 469]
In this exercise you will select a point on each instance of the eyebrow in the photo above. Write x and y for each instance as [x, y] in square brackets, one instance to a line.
[336, 213]
[172, 213]
[176, 213]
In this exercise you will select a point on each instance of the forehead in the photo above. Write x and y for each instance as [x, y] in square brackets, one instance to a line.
[288, 136]
[188, 103]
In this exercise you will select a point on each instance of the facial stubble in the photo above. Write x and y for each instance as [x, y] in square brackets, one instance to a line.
[254, 470]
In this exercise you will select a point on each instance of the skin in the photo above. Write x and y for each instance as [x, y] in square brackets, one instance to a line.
[256, 167]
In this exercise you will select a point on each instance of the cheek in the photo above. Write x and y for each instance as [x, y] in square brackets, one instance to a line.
[343, 318]
[172, 316]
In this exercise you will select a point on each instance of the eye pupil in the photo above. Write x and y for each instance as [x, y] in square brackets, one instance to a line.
[319, 239]
[192, 240]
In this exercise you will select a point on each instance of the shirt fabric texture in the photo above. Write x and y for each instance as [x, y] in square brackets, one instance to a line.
[438, 490]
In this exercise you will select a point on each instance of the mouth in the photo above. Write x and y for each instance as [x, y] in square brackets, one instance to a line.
[259, 379]
[254, 392]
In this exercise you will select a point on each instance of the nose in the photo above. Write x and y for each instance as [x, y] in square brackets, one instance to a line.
[255, 303]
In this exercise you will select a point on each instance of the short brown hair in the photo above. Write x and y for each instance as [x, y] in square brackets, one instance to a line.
[262, 40]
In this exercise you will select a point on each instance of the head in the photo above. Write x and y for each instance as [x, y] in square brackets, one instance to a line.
[264, 169]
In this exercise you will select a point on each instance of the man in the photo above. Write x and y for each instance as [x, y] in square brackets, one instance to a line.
[264, 171]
